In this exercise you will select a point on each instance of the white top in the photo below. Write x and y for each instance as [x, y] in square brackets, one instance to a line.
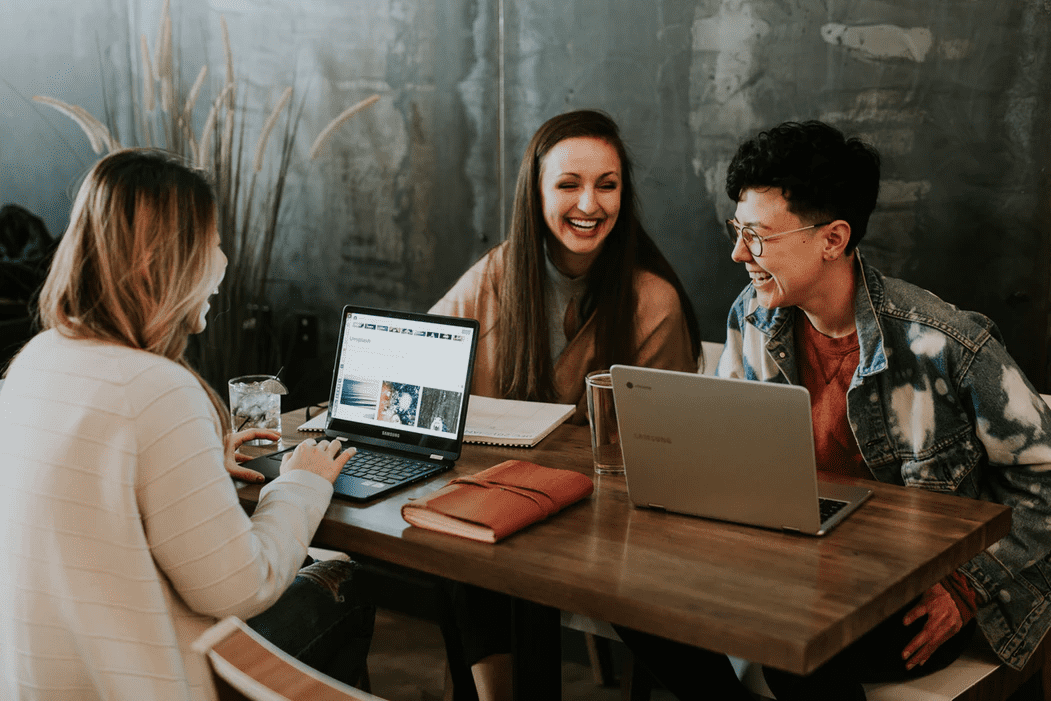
[121, 535]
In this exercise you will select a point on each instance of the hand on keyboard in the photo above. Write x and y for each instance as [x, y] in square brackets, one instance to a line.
[322, 458]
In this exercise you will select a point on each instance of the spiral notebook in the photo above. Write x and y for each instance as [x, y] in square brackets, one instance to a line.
[492, 421]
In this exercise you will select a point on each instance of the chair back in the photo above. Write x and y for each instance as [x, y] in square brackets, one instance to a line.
[712, 351]
[246, 666]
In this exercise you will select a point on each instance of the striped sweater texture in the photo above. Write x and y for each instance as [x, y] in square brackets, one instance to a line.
[121, 535]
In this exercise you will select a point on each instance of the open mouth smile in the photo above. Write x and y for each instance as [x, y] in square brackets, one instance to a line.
[760, 277]
[583, 224]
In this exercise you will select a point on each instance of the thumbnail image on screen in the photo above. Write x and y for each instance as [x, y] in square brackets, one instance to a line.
[398, 403]
[359, 392]
[439, 410]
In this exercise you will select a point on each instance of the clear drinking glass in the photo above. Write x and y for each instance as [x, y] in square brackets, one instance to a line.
[255, 402]
[602, 415]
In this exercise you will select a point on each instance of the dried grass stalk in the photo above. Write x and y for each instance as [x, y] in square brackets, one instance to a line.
[147, 75]
[226, 144]
[209, 128]
[268, 126]
[165, 68]
[191, 100]
[319, 142]
[97, 133]
[161, 32]
[187, 133]
[228, 52]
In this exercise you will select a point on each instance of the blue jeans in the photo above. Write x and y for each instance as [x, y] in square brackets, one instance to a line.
[321, 621]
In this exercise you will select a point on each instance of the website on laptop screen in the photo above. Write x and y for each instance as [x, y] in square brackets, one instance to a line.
[402, 371]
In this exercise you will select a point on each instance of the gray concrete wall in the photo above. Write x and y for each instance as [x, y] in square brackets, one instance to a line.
[955, 93]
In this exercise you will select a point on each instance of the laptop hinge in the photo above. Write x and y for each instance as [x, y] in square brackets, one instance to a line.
[790, 529]
[656, 506]
[439, 458]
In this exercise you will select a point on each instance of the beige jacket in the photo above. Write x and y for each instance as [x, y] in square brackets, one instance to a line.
[662, 339]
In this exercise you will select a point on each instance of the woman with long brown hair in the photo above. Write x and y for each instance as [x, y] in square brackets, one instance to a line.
[121, 534]
[578, 286]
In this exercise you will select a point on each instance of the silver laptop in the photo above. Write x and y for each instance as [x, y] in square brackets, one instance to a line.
[734, 450]
[399, 394]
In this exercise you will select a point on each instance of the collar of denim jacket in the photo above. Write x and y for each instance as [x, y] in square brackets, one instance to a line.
[868, 298]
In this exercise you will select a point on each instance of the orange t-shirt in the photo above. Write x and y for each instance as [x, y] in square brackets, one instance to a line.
[826, 366]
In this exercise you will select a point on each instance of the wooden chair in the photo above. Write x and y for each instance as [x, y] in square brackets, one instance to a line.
[247, 667]
[712, 351]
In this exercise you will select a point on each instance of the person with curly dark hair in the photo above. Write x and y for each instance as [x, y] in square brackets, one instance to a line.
[904, 388]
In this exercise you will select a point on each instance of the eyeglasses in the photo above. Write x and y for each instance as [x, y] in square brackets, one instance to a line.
[754, 241]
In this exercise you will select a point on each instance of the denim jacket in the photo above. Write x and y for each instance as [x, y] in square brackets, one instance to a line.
[937, 403]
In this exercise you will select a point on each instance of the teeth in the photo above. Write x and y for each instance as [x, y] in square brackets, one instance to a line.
[584, 223]
[760, 277]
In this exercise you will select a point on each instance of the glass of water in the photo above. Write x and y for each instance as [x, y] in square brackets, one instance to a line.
[255, 402]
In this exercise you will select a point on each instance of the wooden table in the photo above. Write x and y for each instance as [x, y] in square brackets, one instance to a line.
[784, 600]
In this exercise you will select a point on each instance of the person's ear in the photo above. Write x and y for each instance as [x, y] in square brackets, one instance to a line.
[837, 236]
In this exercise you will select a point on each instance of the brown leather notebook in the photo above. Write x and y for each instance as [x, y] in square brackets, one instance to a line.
[498, 501]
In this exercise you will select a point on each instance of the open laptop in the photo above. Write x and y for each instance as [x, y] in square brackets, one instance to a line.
[734, 450]
[399, 394]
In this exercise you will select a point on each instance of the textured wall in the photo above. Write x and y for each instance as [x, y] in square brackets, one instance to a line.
[955, 93]
[52, 47]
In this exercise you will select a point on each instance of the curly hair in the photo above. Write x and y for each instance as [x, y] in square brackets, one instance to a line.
[822, 174]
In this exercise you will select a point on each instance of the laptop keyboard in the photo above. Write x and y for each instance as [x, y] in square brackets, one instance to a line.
[829, 507]
[381, 467]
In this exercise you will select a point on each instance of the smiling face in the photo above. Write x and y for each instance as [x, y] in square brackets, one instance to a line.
[580, 187]
[791, 270]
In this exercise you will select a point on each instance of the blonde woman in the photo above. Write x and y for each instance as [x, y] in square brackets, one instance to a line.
[121, 535]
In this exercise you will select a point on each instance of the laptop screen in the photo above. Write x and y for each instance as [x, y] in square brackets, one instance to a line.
[403, 378]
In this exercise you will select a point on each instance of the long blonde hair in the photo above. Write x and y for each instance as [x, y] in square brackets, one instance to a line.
[134, 264]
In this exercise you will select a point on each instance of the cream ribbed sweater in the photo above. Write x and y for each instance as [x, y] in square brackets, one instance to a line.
[121, 536]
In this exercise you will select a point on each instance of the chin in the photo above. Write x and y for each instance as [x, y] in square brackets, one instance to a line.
[198, 325]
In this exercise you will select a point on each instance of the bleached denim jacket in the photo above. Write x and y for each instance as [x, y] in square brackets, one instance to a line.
[937, 403]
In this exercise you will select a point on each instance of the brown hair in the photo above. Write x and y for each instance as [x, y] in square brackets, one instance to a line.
[525, 367]
[133, 265]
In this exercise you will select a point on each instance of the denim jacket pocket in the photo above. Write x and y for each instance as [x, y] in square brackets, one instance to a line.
[947, 467]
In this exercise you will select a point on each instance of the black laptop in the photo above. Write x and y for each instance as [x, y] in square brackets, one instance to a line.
[399, 395]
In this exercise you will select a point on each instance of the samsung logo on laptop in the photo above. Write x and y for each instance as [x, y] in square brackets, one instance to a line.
[652, 439]
[391, 434]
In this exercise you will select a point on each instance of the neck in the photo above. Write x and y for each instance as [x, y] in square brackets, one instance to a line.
[831, 307]
[572, 265]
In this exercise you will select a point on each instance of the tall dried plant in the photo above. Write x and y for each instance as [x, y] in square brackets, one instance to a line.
[239, 338]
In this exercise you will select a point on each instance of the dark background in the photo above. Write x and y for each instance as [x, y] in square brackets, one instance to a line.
[954, 93]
